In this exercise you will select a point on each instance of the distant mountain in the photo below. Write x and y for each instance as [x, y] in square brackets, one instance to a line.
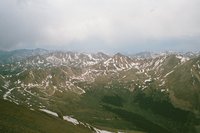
[147, 55]
[17, 55]
[144, 55]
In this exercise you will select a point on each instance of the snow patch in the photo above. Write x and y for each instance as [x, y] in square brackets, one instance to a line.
[163, 83]
[70, 119]
[2, 76]
[6, 85]
[18, 81]
[169, 73]
[21, 72]
[101, 131]
[198, 66]
[49, 112]
[182, 59]
[7, 93]
[162, 90]
[148, 80]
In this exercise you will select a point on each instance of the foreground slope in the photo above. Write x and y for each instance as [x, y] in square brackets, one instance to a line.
[18, 119]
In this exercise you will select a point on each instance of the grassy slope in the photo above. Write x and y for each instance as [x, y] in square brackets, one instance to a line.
[18, 119]
[117, 109]
[184, 86]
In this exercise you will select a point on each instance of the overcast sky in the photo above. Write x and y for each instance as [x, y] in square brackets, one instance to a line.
[100, 25]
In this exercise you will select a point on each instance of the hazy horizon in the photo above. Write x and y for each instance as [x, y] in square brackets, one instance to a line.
[107, 52]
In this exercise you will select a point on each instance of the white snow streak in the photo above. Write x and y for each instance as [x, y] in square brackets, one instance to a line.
[7, 94]
[49, 112]
[169, 73]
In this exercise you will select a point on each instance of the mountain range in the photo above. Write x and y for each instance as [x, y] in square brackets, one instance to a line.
[144, 92]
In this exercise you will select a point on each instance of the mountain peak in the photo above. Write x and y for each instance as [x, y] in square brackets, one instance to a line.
[118, 54]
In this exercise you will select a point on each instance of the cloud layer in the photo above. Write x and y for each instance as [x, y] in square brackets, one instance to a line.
[100, 25]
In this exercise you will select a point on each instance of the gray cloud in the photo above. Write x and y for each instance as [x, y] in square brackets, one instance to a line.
[105, 25]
